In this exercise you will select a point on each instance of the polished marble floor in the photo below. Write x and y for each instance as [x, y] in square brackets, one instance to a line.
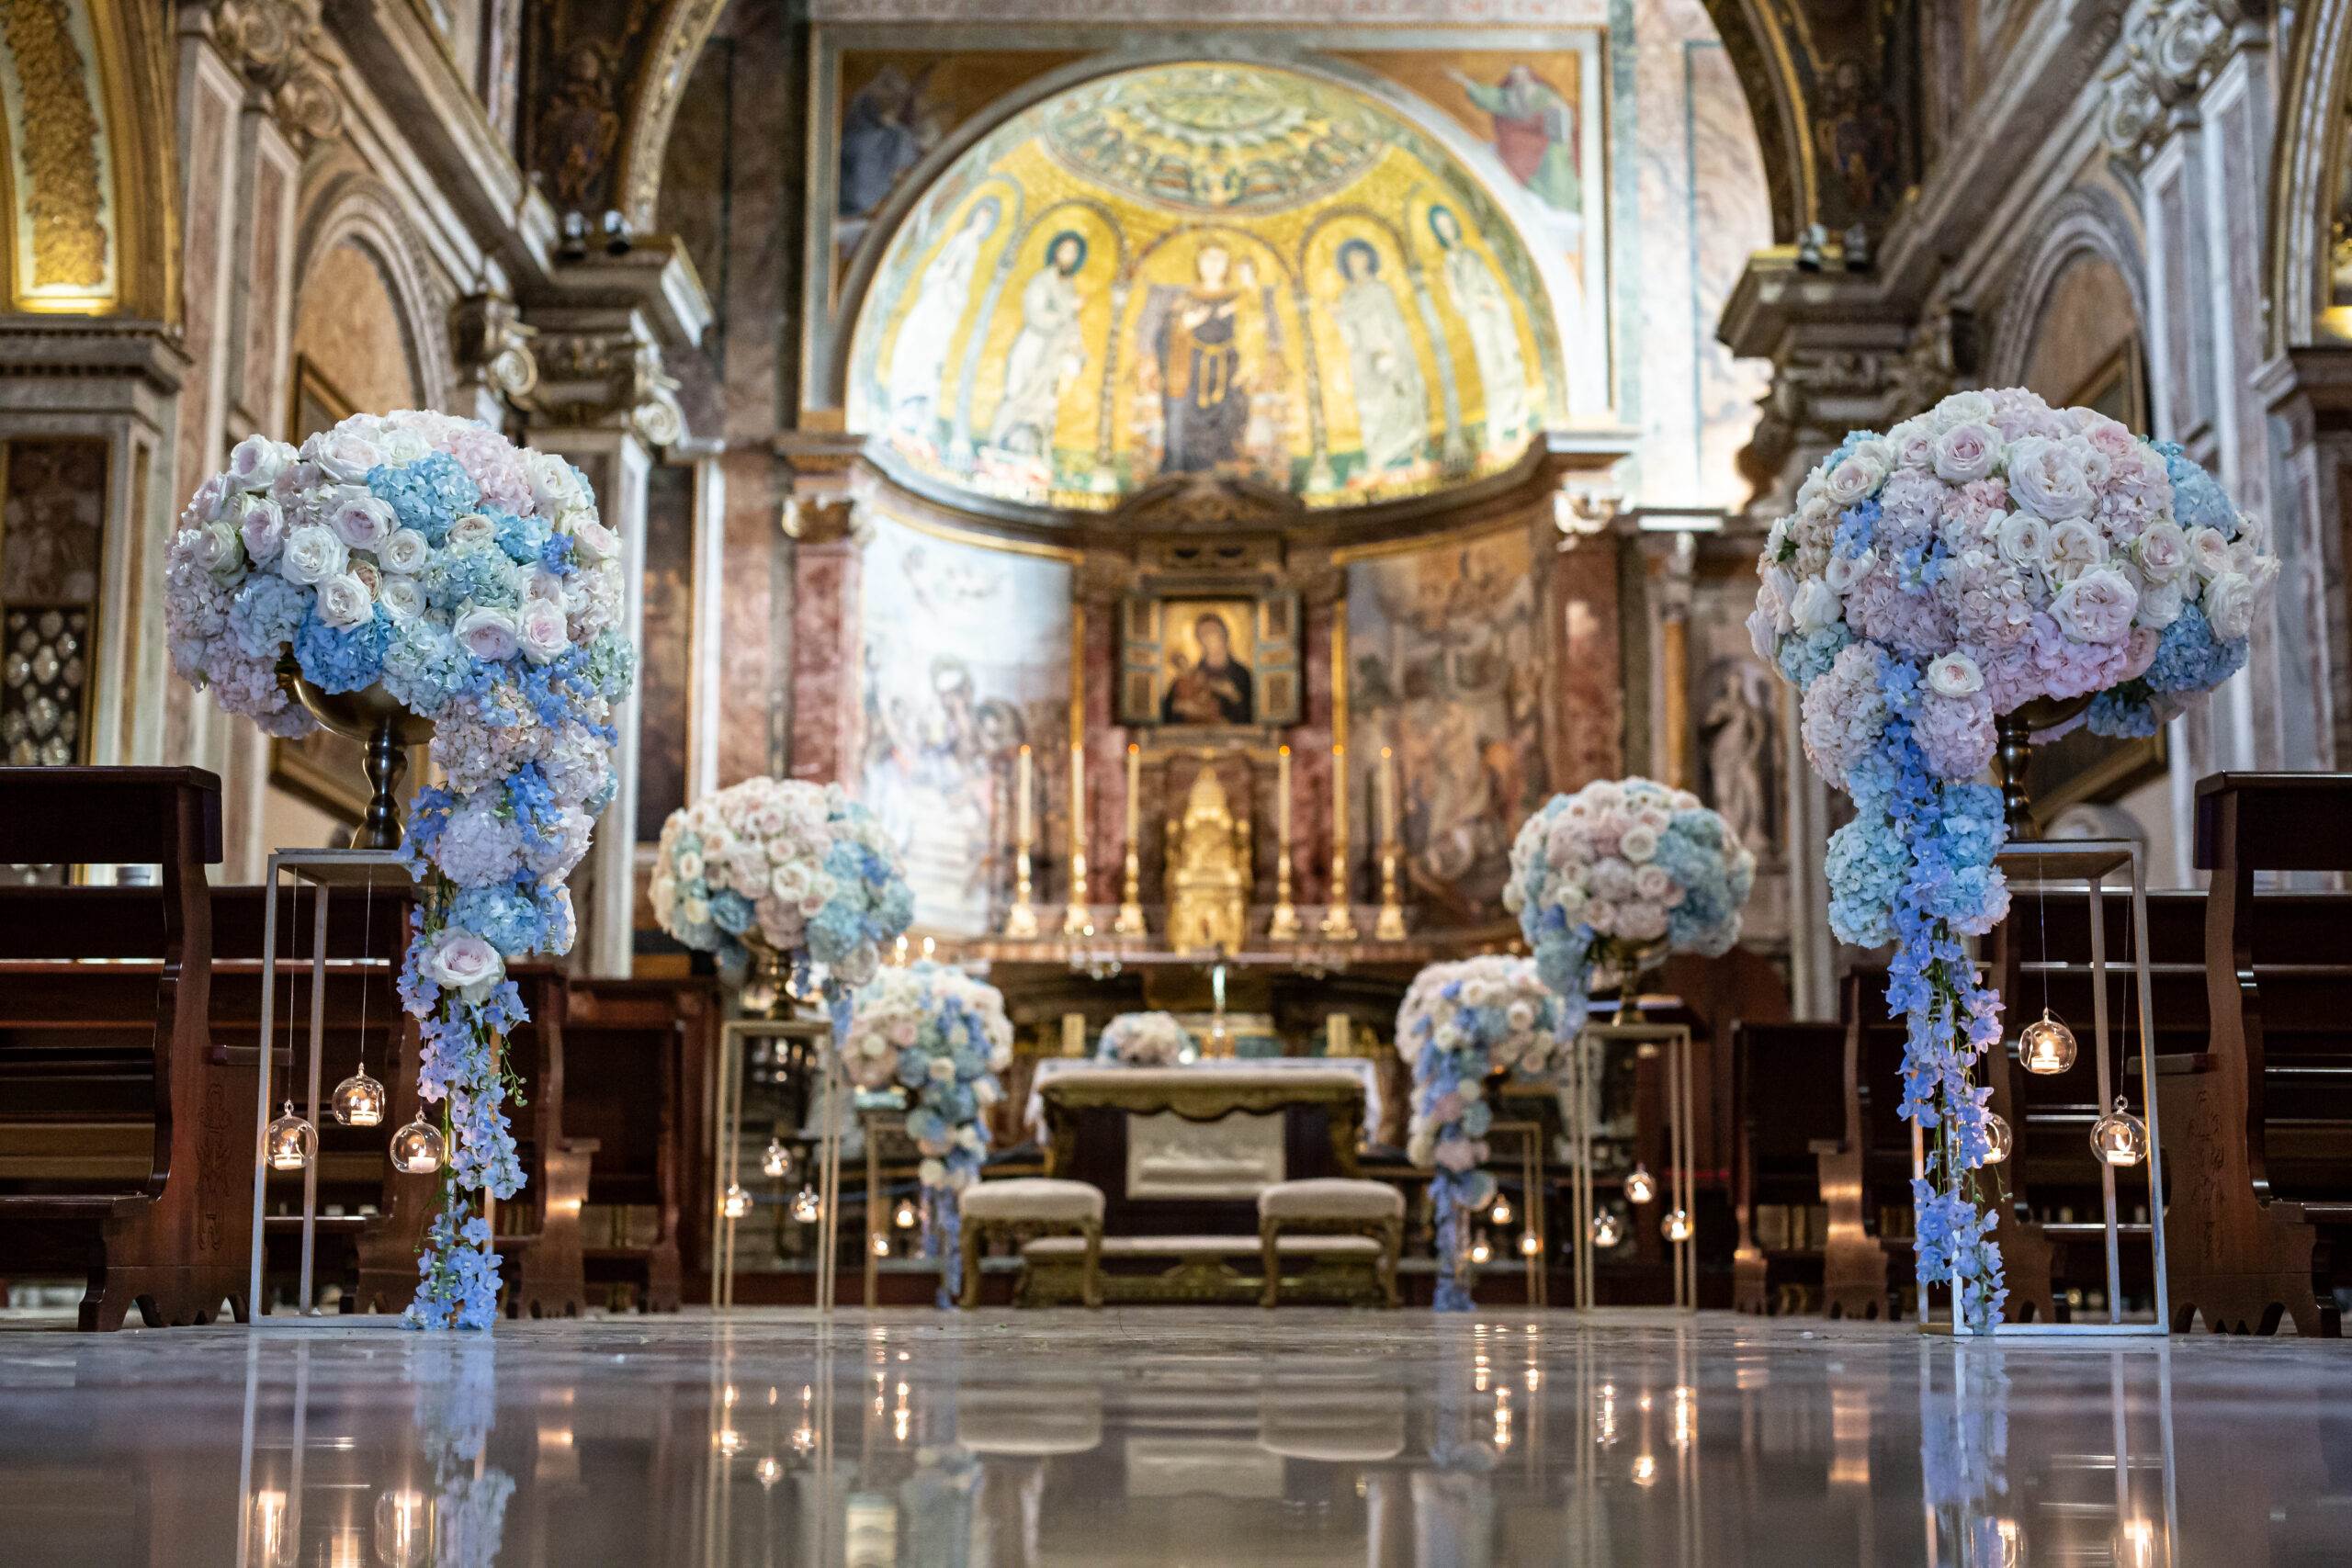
[1208, 1436]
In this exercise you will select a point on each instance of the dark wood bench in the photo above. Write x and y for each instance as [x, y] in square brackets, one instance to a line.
[627, 1045]
[1791, 1143]
[2257, 1127]
[169, 1231]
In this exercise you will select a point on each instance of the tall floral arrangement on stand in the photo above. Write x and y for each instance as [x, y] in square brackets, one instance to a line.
[1146, 1040]
[941, 1037]
[472, 583]
[1993, 556]
[1610, 879]
[1464, 1027]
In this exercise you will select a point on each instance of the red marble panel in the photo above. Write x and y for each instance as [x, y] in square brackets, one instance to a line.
[752, 705]
[1590, 740]
[824, 640]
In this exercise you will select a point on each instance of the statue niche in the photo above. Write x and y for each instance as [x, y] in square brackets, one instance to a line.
[1208, 871]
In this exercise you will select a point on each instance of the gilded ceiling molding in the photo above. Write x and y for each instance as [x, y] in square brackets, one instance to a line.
[62, 179]
[678, 39]
[281, 47]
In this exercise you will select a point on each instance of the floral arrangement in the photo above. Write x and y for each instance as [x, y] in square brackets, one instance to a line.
[472, 581]
[942, 1037]
[1620, 873]
[796, 869]
[1992, 553]
[1461, 1025]
[1146, 1040]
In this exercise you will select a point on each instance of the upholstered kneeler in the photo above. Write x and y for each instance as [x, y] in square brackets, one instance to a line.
[1024, 1209]
[1332, 1206]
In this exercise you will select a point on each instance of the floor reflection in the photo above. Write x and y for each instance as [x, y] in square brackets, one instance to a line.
[1388, 1441]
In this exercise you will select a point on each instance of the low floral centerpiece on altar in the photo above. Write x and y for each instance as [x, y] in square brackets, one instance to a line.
[796, 872]
[1995, 564]
[1464, 1028]
[1608, 881]
[941, 1037]
[1147, 1040]
[424, 567]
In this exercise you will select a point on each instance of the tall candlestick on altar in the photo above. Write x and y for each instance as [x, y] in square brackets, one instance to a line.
[1130, 921]
[1282, 800]
[1024, 789]
[1339, 920]
[1135, 788]
[1020, 920]
[1283, 924]
[1388, 778]
[1077, 920]
[1339, 802]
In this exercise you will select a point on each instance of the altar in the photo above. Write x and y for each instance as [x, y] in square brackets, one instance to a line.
[1209, 1075]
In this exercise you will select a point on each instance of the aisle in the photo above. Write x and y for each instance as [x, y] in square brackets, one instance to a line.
[1169, 1436]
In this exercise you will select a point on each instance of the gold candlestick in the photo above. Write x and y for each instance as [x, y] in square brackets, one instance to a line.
[1284, 926]
[1130, 921]
[1077, 920]
[1340, 920]
[1389, 924]
[1020, 920]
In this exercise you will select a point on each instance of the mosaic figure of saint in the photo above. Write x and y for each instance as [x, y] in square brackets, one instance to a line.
[1196, 368]
[919, 357]
[1535, 134]
[1479, 295]
[1392, 401]
[1047, 353]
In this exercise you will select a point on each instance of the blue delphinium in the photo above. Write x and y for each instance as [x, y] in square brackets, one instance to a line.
[458, 1269]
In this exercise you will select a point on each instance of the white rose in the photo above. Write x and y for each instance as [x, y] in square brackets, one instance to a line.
[471, 529]
[2163, 550]
[1638, 843]
[343, 601]
[2023, 539]
[404, 552]
[539, 628]
[1961, 408]
[405, 447]
[1651, 882]
[942, 1070]
[2049, 479]
[593, 541]
[555, 489]
[544, 584]
[2208, 552]
[931, 1173]
[402, 596]
[2075, 547]
[219, 548]
[1967, 452]
[255, 462]
[1843, 572]
[1817, 605]
[2229, 605]
[1955, 676]
[695, 911]
[1521, 1015]
[363, 520]
[463, 962]
[1856, 477]
[344, 456]
[486, 633]
[312, 554]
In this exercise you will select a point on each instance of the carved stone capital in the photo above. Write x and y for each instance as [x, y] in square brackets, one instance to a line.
[2171, 49]
[280, 48]
[594, 378]
[493, 349]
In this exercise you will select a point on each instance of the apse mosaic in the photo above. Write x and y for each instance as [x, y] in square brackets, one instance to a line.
[1206, 268]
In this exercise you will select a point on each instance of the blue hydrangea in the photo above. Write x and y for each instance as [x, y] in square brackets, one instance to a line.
[2124, 713]
[423, 666]
[511, 918]
[2197, 501]
[265, 613]
[731, 911]
[427, 495]
[338, 658]
[523, 538]
[2190, 658]
[1807, 657]
[480, 575]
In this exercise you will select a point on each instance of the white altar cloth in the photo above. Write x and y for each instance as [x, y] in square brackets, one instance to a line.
[1362, 1069]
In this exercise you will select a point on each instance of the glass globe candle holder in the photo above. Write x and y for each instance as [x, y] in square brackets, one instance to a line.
[404, 1529]
[1481, 1251]
[805, 1206]
[881, 1247]
[1676, 1226]
[2120, 1138]
[1999, 1138]
[291, 1143]
[358, 1100]
[1640, 1185]
[1501, 1213]
[906, 1216]
[417, 1149]
[775, 1160]
[2046, 1047]
[1608, 1230]
[736, 1203]
[1530, 1243]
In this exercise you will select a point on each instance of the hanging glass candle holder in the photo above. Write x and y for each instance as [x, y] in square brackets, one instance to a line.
[1501, 1213]
[1676, 1226]
[1608, 1230]
[404, 1529]
[805, 1206]
[2046, 1047]
[1999, 1138]
[775, 1160]
[2119, 1138]
[1530, 1243]
[906, 1216]
[736, 1203]
[359, 1100]
[290, 1142]
[1480, 1252]
[417, 1149]
[1640, 1185]
[881, 1245]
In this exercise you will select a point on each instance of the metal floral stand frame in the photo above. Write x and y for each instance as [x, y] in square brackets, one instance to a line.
[727, 1151]
[2037, 866]
[327, 870]
[1582, 1082]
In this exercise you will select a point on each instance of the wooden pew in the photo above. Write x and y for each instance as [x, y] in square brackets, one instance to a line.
[1790, 1151]
[629, 1044]
[170, 1234]
[2259, 1128]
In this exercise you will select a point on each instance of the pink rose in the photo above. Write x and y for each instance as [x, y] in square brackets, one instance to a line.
[255, 462]
[363, 520]
[2097, 606]
[1955, 676]
[487, 632]
[345, 455]
[2163, 550]
[464, 962]
[2049, 479]
[1967, 452]
[263, 527]
[538, 628]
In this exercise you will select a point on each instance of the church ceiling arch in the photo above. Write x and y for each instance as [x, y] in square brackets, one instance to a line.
[1206, 267]
[2310, 243]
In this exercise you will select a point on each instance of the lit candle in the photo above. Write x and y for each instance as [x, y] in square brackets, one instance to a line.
[1387, 798]
[1023, 788]
[1077, 798]
[1282, 799]
[1135, 789]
